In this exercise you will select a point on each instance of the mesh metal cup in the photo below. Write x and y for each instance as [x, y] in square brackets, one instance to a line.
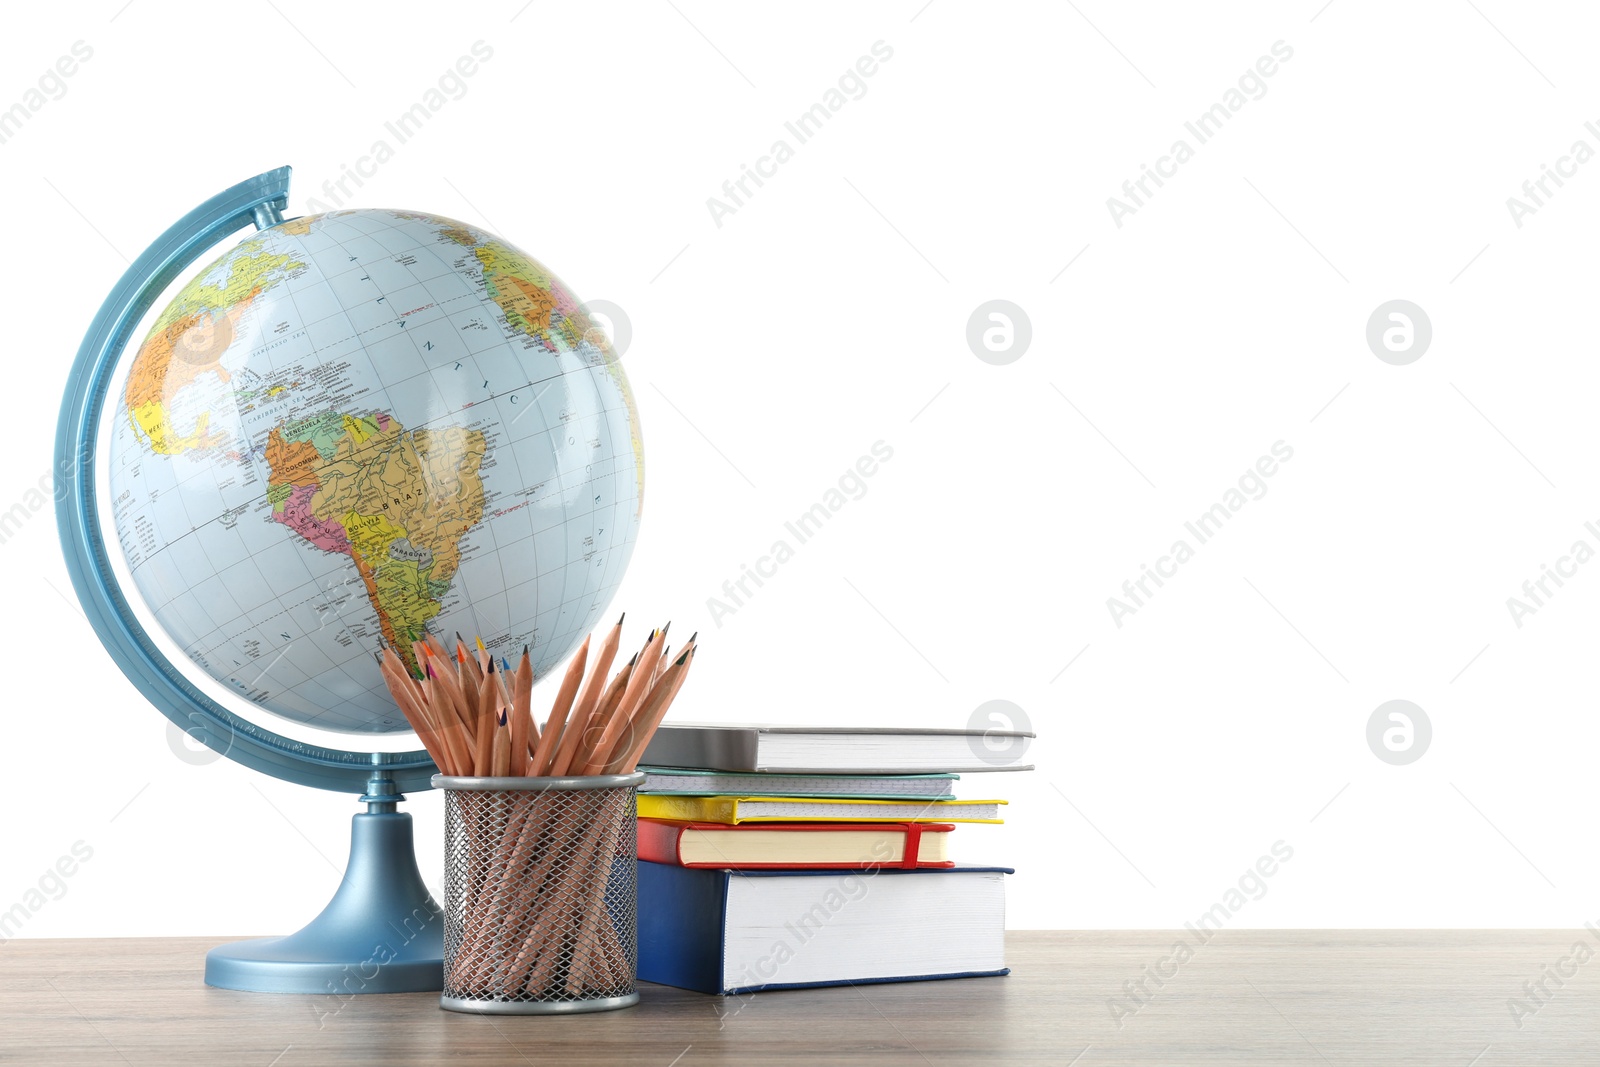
[540, 890]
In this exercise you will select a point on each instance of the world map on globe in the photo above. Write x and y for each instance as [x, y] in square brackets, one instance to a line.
[357, 427]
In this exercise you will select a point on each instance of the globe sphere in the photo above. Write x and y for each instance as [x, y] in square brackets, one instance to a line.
[359, 427]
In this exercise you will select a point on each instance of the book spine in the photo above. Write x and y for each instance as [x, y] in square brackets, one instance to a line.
[659, 842]
[683, 928]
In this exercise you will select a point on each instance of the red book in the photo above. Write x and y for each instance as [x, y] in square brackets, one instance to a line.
[794, 845]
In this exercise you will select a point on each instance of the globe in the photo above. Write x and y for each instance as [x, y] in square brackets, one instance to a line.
[357, 427]
[347, 431]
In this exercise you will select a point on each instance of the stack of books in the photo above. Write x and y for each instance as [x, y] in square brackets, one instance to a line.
[777, 857]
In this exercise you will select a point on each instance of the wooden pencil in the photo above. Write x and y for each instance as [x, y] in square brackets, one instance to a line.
[637, 688]
[592, 915]
[440, 670]
[661, 660]
[520, 724]
[649, 716]
[623, 723]
[487, 714]
[405, 700]
[584, 705]
[601, 721]
[501, 688]
[551, 736]
[455, 732]
[412, 702]
[452, 698]
[502, 747]
[522, 708]
[467, 676]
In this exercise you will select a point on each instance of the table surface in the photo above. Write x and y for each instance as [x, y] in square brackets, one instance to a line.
[1245, 997]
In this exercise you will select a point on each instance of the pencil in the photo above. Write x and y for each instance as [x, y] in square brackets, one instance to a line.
[445, 714]
[601, 721]
[522, 706]
[593, 916]
[520, 722]
[502, 747]
[661, 660]
[406, 702]
[441, 721]
[587, 699]
[468, 678]
[649, 716]
[545, 751]
[641, 684]
[449, 684]
[638, 688]
[487, 710]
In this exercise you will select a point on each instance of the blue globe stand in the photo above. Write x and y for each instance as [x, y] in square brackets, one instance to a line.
[382, 932]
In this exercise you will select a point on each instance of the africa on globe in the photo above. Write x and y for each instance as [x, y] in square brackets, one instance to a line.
[359, 426]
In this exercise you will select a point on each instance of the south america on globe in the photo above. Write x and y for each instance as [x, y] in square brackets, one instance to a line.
[360, 426]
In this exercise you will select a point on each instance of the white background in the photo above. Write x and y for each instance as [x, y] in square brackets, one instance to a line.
[829, 312]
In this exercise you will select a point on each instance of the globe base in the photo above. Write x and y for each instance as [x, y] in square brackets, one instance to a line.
[381, 933]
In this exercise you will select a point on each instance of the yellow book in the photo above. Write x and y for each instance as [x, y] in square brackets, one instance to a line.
[731, 811]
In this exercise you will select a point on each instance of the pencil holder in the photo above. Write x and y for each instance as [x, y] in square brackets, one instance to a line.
[540, 889]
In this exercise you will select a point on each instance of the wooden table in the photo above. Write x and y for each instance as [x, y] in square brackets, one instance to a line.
[1257, 997]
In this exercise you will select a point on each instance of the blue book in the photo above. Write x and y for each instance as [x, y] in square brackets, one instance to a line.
[727, 932]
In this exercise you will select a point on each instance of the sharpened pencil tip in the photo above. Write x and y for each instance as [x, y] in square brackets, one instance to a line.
[624, 616]
[682, 659]
[502, 717]
[693, 636]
